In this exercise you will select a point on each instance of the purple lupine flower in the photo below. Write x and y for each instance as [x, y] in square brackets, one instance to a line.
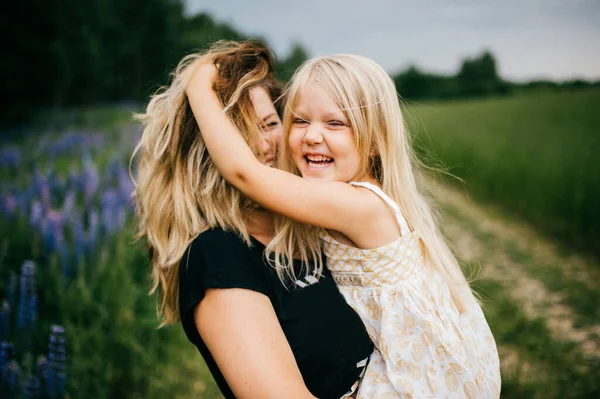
[38, 182]
[96, 140]
[11, 289]
[13, 374]
[5, 356]
[69, 203]
[27, 294]
[55, 222]
[4, 319]
[56, 376]
[91, 180]
[32, 387]
[55, 187]
[94, 226]
[41, 368]
[33, 307]
[22, 314]
[10, 157]
[37, 214]
[46, 197]
[111, 170]
[9, 204]
[25, 200]
[109, 203]
[60, 368]
[72, 180]
[126, 187]
[47, 234]
[50, 374]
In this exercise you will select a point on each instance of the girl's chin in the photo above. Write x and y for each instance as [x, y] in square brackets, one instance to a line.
[316, 176]
[320, 172]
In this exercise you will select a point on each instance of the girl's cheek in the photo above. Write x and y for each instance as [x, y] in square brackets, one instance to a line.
[294, 140]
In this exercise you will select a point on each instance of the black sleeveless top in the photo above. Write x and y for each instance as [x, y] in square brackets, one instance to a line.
[327, 337]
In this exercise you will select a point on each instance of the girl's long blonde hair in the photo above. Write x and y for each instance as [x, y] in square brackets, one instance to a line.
[179, 192]
[367, 96]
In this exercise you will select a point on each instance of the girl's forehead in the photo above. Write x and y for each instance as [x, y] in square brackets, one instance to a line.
[314, 97]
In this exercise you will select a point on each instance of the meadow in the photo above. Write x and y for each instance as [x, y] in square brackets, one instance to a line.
[534, 153]
[76, 320]
[75, 317]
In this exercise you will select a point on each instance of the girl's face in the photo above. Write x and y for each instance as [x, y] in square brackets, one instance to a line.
[321, 141]
[269, 123]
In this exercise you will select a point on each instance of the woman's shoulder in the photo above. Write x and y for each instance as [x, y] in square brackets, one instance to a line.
[218, 236]
[218, 242]
[223, 256]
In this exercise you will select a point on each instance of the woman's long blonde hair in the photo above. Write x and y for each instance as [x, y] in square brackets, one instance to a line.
[367, 96]
[179, 192]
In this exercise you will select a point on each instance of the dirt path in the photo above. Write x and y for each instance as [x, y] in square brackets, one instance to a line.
[521, 260]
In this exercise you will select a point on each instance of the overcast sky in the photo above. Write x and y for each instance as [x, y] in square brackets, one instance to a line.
[557, 39]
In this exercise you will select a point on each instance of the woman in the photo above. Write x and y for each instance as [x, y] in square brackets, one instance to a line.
[261, 336]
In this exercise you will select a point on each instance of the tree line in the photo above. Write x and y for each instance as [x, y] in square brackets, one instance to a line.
[69, 53]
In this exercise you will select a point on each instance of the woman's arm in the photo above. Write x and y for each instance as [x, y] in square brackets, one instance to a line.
[242, 332]
[334, 205]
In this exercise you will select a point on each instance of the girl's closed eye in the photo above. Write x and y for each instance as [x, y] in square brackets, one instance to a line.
[336, 123]
[299, 121]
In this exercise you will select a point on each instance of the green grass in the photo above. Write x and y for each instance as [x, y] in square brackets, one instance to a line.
[561, 371]
[534, 154]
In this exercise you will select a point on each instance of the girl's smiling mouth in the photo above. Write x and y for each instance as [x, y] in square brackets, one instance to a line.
[317, 161]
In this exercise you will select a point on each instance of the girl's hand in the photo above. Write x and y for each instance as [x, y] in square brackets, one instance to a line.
[202, 72]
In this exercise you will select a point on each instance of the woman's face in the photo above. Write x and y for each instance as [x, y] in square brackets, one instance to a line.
[269, 123]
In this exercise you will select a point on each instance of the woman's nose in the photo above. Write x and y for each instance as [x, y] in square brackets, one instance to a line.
[265, 144]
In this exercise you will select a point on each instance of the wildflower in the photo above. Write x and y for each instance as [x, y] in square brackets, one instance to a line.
[32, 387]
[4, 319]
[13, 376]
[28, 299]
[56, 380]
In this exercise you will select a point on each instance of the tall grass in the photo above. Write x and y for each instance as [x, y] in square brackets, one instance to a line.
[535, 154]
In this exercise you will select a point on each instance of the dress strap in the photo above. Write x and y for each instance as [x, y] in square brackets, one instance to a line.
[404, 230]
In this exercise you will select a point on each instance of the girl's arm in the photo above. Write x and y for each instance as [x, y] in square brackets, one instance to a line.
[242, 332]
[355, 212]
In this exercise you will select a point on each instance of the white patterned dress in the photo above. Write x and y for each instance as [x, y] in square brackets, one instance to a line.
[425, 348]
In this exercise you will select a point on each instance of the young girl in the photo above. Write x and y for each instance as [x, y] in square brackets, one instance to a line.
[359, 201]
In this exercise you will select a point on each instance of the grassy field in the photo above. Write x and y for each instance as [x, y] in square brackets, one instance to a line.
[535, 154]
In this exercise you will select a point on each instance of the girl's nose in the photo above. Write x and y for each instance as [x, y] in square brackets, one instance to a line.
[313, 134]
